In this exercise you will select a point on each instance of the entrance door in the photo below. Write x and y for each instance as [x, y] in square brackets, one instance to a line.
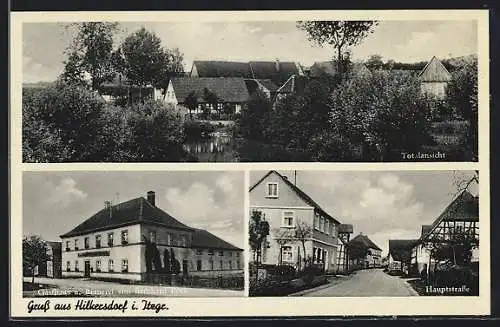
[184, 267]
[87, 269]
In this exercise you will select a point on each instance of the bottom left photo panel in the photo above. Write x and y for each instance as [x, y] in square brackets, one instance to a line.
[133, 234]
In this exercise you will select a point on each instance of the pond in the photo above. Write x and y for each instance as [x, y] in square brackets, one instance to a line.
[216, 147]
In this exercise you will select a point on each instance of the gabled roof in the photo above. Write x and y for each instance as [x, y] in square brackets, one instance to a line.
[465, 207]
[277, 71]
[134, 211]
[229, 89]
[400, 250]
[253, 85]
[207, 240]
[306, 198]
[211, 68]
[434, 71]
[364, 240]
[345, 228]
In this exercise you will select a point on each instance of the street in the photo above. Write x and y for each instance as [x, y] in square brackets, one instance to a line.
[369, 282]
[108, 289]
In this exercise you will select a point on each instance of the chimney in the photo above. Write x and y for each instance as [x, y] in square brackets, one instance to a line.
[277, 64]
[151, 198]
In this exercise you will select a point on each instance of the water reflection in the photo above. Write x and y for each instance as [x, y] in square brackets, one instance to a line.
[217, 147]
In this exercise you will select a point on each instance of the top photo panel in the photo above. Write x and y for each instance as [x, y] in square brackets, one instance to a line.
[250, 91]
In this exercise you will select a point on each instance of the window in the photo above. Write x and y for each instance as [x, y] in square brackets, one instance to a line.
[321, 224]
[230, 253]
[87, 243]
[152, 236]
[210, 251]
[288, 219]
[327, 226]
[76, 266]
[98, 241]
[68, 266]
[237, 254]
[332, 229]
[67, 246]
[111, 265]
[198, 265]
[110, 239]
[98, 265]
[230, 264]
[76, 244]
[237, 264]
[182, 240]
[199, 251]
[169, 239]
[221, 265]
[272, 190]
[124, 265]
[124, 236]
[221, 253]
[316, 221]
[211, 262]
[286, 254]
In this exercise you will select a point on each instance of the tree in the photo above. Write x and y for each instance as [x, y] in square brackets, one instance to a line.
[341, 35]
[462, 95]
[211, 99]
[375, 62]
[255, 118]
[302, 232]
[191, 102]
[258, 231]
[34, 254]
[175, 264]
[90, 52]
[462, 181]
[73, 71]
[145, 62]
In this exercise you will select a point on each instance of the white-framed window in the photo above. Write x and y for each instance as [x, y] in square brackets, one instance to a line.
[76, 244]
[98, 265]
[272, 190]
[124, 265]
[76, 266]
[67, 246]
[286, 254]
[111, 265]
[316, 221]
[288, 219]
[86, 240]
[98, 241]
[110, 239]
[125, 237]
[327, 226]
[152, 236]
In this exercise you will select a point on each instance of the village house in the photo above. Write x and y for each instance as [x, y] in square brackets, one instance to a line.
[399, 255]
[287, 208]
[434, 79]
[114, 243]
[344, 233]
[369, 253]
[230, 91]
[460, 217]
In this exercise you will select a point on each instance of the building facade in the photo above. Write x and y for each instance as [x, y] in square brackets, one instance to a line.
[135, 238]
[291, 213]
[364, 253]
[434, 79]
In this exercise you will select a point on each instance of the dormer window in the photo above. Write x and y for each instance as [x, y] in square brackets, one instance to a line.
[272, 190]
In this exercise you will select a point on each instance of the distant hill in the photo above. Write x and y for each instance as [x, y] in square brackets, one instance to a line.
[450, 63]
[37, 85]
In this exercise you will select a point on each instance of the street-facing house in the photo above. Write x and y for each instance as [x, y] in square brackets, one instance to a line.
[459, 220]
[363, 253]
[289, 212]
[399, 256]
[133, 239]
[434, 78]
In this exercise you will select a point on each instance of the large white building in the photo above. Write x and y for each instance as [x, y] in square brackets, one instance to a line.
[134, 238]
[286, 208]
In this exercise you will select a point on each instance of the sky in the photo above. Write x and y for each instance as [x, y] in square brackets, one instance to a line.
[404, 41]
[56, 202]
[382, 205]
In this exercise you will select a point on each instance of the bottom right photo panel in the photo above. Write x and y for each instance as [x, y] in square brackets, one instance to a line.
[363, 233]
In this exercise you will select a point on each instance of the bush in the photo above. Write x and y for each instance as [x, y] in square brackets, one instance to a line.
[285, 272]
[196, 129]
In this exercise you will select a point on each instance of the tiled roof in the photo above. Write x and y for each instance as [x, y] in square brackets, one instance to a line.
[400, 250]
[207, 240]
[298, 191]
[212, 68]
[363, 239]
[134, 211]
[277, 71]
[465, 207]
[229, 89]
[434, 71]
